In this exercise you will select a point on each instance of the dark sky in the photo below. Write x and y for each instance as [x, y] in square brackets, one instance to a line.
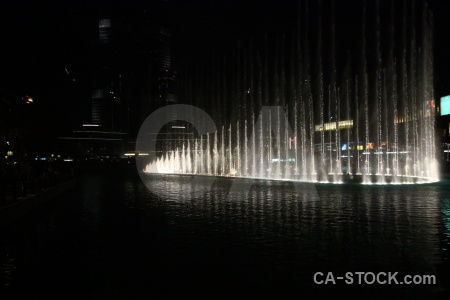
[40, 39]
[441, 14]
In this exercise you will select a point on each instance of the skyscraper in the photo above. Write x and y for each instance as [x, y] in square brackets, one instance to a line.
[132, 74]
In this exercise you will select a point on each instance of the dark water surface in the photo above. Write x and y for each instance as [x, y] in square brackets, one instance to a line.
[113, 238]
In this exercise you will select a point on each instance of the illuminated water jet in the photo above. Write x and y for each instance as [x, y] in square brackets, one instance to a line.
[376, 127]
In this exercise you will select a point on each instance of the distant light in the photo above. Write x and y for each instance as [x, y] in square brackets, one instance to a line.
[178, 127]
[68, 159]
[283, 160]
[432, 104]
[9, 153]
[445, 105]
[91, 125]
[133, 154]
[28, 99]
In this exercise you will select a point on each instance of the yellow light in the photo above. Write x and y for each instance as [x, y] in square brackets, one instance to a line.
[9, 153]
[52, 155]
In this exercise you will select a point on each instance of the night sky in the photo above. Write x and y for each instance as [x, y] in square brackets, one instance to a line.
[40, 40]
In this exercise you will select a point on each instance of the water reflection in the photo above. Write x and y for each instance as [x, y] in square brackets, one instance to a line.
[8, 266]
[115, 232]
[388, 227]
[446, 221]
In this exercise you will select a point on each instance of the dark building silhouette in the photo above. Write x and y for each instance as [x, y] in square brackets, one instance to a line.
[134, 65]
[132, 74]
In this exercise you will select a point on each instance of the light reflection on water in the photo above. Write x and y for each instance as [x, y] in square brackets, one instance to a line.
[347, 227]
[446, 221]
[356, 212]
[272, 237]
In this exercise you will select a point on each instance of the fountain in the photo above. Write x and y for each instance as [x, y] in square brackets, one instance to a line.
[375, 127]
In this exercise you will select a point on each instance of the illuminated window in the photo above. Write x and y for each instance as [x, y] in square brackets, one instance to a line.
[104, 30]
[345, 124]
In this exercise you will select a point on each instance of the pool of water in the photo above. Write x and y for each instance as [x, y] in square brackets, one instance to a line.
[114, 237]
